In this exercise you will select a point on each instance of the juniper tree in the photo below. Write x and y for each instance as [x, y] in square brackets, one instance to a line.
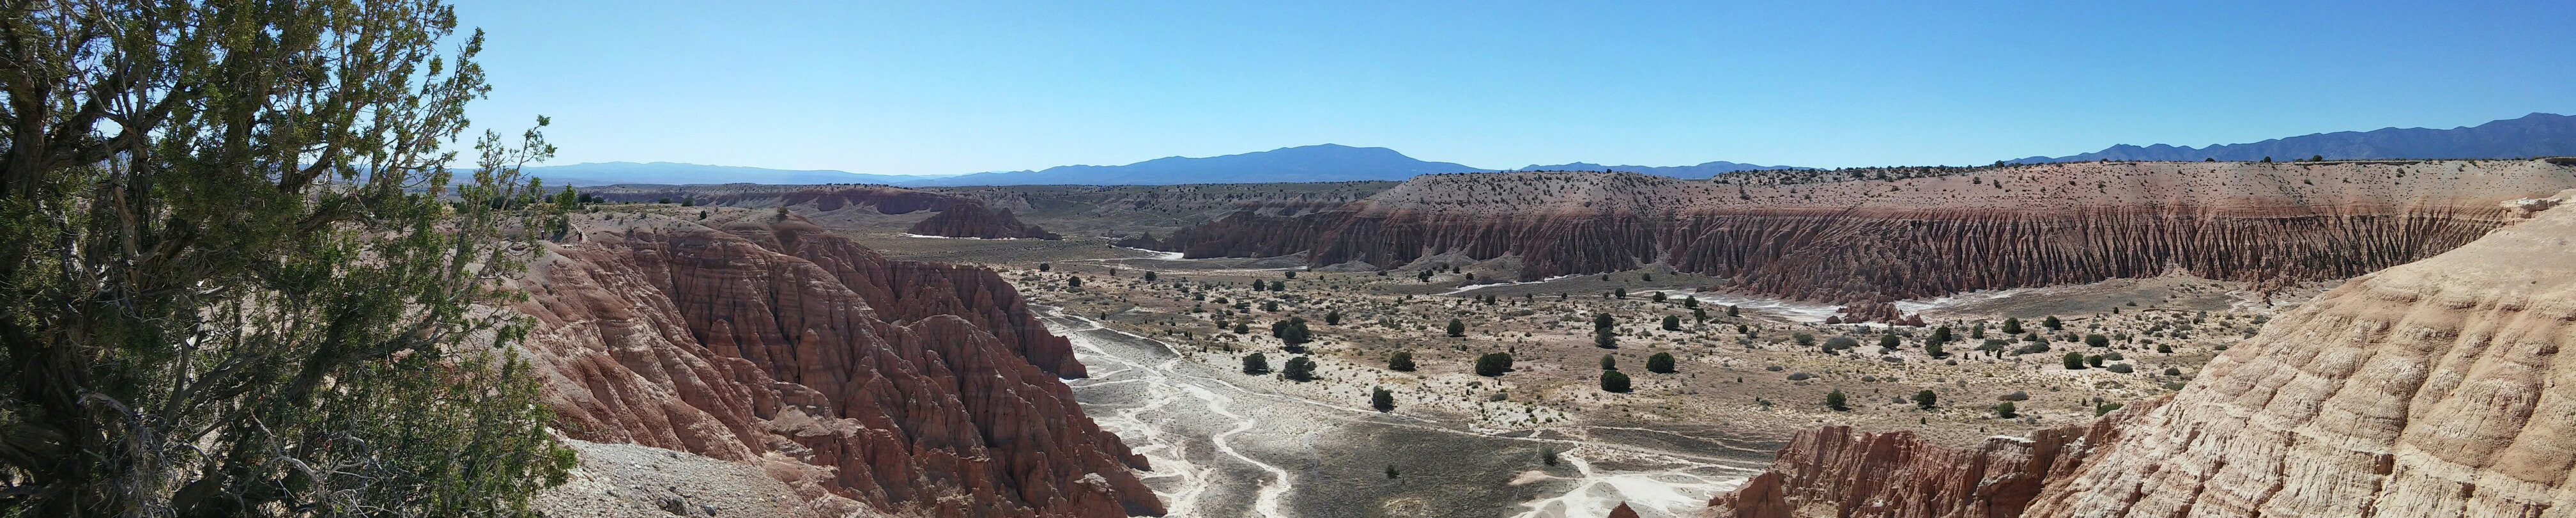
[1925, 399]
[1614, 381]
[1401, 362]
[237, 276]
[1493, 364]
[1660, 363]
[1672, 323]
[2012, 326]
[1383, 401]
[1835, 400]
[1333, 318]
[1457, 328]
[1256, 364]
[1298, 369]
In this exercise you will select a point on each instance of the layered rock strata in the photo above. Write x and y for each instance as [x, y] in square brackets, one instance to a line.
[1874, 236]
[911, 388]
[2436, 388]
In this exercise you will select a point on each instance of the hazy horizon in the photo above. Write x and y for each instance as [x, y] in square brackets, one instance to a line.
[951, 89]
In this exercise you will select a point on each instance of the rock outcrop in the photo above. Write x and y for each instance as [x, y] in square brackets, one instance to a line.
[1832, 471]
[911, 388]
[974, 220]
[2436, 388]
[1872, 235]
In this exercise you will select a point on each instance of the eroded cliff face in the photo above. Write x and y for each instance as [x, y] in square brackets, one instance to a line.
[912, 388]
[1869, 237]
[2436, 388]
[1832, 471]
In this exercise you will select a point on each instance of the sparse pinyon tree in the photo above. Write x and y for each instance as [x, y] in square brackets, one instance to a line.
[238, 278]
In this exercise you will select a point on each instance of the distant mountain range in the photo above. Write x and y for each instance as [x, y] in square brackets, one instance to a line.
[2538, 134]
[1317, 163]
[2534, 135]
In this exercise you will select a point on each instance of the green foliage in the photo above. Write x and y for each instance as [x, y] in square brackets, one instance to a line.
[232, 281]
[1333, 318]
[1457, 328]
[2074, 361]
[1940, 335]
[1836, 401]
[1256, 364]
[1383, 401]
[1493, 364]
[1150, 276]
[2170, 371]
[2105, 408]
[2005, 410]
[1401, 362]
[1657, 297]
[1699, 315]
[2093, 360]
[1046, 267]
[1925, 399]
[1660, 363]
[2052, 323]
[1270, 306]
[1803, 339]
[1073, 282]
[1239, 328]
[1733, 311]
[2097, 340]
[1889, 341]
[1934, 350]
[1672, 323]
[1840, 344]
[1619, 293]
[1614, 381]
[1609, 362]
[1292, 331]
[2012, 326]
[1693, 303]
[1298, 369]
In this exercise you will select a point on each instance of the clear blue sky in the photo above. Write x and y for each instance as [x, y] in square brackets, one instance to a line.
[953, 87]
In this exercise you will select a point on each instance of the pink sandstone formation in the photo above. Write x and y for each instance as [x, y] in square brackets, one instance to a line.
[905, 387]
[1879, 235]
[2435, 388]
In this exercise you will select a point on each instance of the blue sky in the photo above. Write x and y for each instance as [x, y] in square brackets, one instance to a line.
[956, 87]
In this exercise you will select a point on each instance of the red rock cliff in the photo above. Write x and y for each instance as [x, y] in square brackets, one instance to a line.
[2436, 388]
[916, 388]
[1872, 236]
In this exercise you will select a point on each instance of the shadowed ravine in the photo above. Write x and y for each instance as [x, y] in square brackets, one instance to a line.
[1220, 445]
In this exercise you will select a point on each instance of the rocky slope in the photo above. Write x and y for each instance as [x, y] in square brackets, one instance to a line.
[957, 216]
[974, 220]
[1877, 235]
[2436, 388]
[912, 388]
